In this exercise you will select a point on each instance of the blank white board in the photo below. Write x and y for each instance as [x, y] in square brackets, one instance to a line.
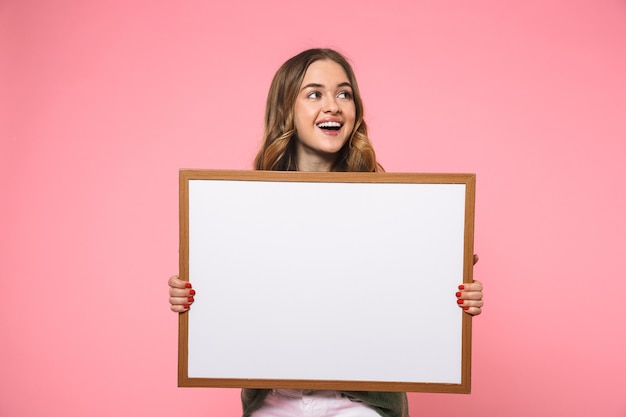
[326, 280]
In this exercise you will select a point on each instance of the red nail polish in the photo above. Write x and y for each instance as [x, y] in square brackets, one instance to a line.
[458, 294]
[192, 292]
[186, 306]
[190, 299]
[466, 308]
[461, 287]
[187, 284]
[459, 301]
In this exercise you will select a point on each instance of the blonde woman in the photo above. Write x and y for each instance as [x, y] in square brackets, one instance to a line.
[314, 122]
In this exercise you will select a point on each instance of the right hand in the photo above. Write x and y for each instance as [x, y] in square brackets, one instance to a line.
[181, 294]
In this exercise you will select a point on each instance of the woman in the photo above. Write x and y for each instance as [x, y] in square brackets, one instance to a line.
[314, 122]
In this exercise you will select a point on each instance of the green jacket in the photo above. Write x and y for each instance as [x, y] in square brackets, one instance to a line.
[387, 404]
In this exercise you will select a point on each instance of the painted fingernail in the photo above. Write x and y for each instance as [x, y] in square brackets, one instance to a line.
[458, 294]
[187, 284]
[461, 287]
[186, 306]
[465, 308]
[192, 292]
[459, 301]
[190, 299]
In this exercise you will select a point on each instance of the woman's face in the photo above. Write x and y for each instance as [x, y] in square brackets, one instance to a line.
[324, 115]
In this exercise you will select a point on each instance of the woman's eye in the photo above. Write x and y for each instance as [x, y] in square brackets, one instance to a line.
[345, 95]
[314, 94]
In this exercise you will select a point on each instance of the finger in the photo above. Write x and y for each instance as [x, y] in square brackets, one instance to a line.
[179, 309]
[472, 311]
[176, 282]
[181, 301]
[471, 286]
[470, 296]
[475, 259]
[181, 292]
[471, 291]
[472, 305]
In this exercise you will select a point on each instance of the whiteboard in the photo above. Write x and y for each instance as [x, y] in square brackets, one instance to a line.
[326, 280]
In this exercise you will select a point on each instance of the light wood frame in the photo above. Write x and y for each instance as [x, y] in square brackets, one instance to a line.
[378, 188]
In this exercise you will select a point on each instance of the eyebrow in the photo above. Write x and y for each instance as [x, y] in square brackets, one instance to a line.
[316, 85]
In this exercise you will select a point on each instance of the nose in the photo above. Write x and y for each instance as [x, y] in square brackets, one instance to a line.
[331, 106]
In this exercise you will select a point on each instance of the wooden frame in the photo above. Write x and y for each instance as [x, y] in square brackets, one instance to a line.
[341, 281]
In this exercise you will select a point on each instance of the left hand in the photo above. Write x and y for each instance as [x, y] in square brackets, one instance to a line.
[470, 296]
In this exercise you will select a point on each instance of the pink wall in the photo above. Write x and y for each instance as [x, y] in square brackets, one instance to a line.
[103, 101]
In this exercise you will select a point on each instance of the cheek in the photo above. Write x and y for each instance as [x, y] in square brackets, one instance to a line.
[303, 115]
[350, 112]
[298, 119]
[350, 115]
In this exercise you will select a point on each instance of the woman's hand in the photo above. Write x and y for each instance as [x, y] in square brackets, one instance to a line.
[470, 296]
[181, 294]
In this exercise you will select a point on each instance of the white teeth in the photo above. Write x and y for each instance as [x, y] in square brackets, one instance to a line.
[329, 124]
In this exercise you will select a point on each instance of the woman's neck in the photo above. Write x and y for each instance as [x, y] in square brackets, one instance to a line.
[313, 167]
[315, 163]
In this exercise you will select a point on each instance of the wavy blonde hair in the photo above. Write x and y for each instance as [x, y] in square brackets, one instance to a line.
[278, 150]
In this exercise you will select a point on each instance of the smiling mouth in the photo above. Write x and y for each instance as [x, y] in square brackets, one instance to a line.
[333, 126]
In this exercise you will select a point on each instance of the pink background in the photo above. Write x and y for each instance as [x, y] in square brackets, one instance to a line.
[103, 101]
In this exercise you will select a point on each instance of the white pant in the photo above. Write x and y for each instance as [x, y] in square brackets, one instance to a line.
[295, 403]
